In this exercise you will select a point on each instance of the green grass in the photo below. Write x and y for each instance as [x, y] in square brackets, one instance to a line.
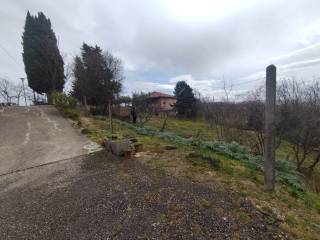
[184, 127]
[69, 113]
[285, 171]
[198, 128]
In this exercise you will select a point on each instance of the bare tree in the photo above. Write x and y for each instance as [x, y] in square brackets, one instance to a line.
[299, 106]
[297, 120]
[255, 120]
[164, 123]
[241, 121]
[68, 72]
[227, 89]
[11, 93]
[5, 90]
[143, 107]
[17, 91]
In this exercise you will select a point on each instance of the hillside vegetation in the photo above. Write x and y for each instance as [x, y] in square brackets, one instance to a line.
[199, 158]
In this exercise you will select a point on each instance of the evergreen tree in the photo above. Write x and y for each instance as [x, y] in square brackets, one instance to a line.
[78, 85]
[97, 76]
[43, 63]
[185, 99]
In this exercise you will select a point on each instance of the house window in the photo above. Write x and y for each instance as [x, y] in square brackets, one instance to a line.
[164, 103]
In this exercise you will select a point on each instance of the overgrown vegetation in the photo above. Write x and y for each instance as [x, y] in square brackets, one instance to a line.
[70, 113]
[285, 170]
[297, 117]
[299, 107]
[62, 100]
[66, 105]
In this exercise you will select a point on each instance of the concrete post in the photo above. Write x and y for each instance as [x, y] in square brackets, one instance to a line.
[270, 128]
[110, 116]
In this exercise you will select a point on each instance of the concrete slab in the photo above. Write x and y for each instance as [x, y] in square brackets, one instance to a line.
[36, 135]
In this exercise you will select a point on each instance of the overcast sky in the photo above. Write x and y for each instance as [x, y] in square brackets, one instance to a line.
[161, 42]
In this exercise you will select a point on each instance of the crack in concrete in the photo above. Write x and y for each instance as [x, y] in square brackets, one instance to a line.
[45, 117]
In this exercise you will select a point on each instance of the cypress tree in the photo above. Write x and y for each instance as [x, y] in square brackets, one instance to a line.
[78, 85]
[43, 63]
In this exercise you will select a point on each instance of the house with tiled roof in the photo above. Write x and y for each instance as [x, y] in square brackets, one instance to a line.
[162, 101]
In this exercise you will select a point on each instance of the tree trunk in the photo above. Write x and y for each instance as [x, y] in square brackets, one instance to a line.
[164, 124]
[50, 98]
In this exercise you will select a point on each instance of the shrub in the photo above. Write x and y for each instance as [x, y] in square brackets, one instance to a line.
[85, 131]
[62, 100]
[70, 113]
[97, 110]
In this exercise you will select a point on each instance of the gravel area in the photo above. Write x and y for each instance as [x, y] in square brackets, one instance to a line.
[102, 197]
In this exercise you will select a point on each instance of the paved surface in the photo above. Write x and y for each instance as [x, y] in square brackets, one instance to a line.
[31, 136]
[101, 197]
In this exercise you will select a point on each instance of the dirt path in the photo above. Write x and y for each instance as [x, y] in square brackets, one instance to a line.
[99, 197]
[31, 136]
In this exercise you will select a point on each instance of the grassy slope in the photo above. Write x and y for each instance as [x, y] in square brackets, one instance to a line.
[301, 216]
[192, 128]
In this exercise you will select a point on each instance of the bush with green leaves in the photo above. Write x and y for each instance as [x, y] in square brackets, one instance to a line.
[61, 100]
[70, 113]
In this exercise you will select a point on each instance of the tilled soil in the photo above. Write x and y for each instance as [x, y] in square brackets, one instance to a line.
[95, 197]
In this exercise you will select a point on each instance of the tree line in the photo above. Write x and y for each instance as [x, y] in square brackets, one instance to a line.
[97, 74]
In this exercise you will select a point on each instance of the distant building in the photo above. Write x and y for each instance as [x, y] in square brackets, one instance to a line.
[162, 102]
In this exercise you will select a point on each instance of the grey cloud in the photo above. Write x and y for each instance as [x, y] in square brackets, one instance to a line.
[150, 39]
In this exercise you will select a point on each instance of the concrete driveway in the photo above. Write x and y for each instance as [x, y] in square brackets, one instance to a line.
[36, 135]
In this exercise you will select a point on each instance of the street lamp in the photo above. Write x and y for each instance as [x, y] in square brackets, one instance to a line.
[24, 91]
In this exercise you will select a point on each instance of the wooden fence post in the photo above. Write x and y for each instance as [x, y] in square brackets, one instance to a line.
[270, 128]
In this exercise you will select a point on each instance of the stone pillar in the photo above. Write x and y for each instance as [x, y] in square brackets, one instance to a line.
[270, 128]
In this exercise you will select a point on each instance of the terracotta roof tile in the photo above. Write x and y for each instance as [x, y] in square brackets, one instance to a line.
[160, 95]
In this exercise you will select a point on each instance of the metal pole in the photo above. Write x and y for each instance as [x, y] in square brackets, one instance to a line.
[270, 128]
[24, 91]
